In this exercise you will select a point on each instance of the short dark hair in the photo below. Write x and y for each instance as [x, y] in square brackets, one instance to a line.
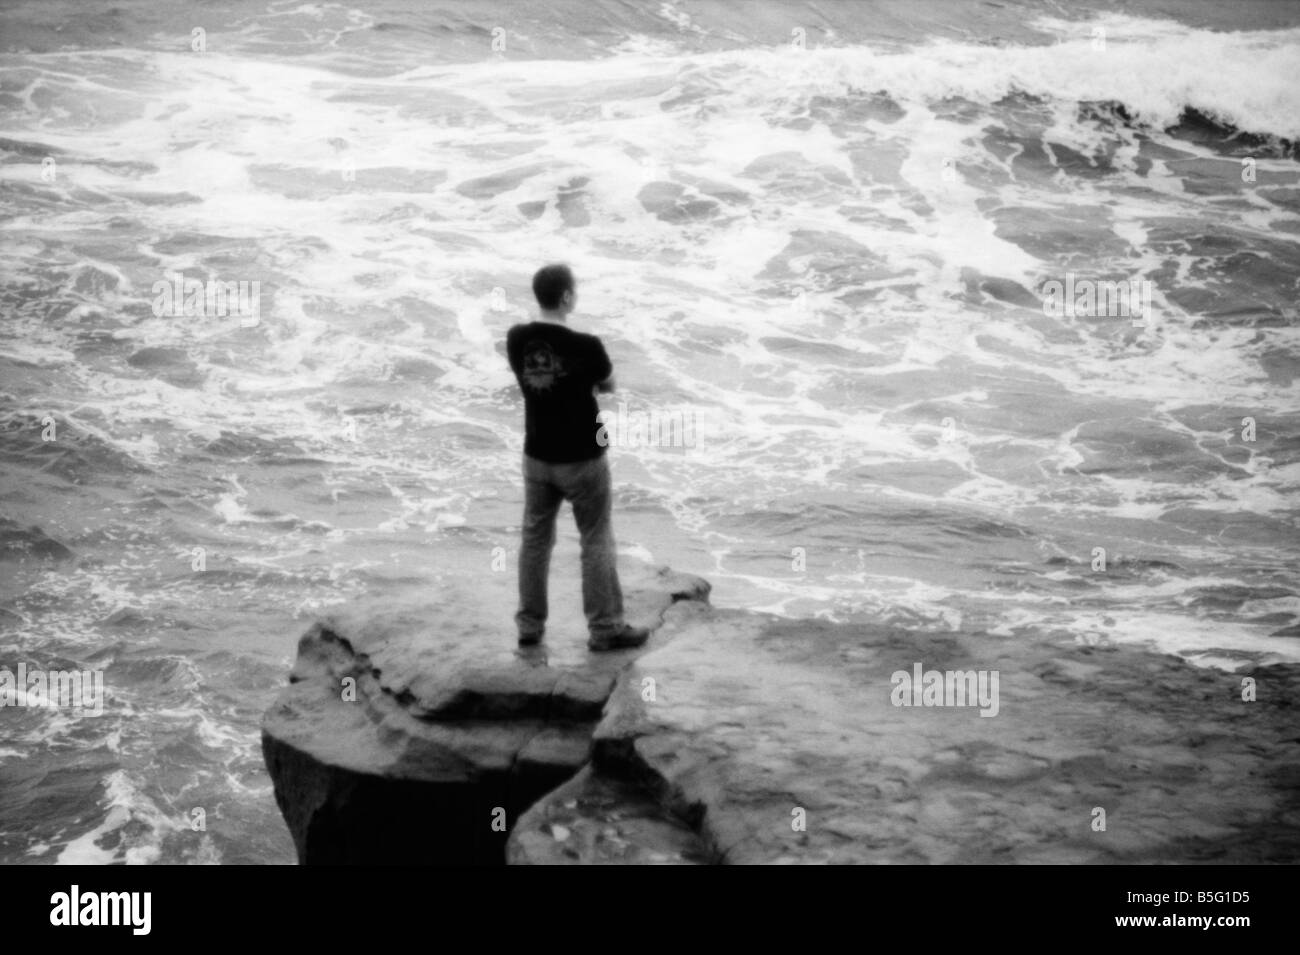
[550, 283]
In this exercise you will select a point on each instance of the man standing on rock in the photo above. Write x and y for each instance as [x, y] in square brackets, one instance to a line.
[559, 372]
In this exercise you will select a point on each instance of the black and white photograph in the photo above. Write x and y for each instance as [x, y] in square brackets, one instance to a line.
[651, 432]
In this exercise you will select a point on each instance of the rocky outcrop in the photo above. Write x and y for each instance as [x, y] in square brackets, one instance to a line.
[779, 741]
[737, 737]
[391, 745]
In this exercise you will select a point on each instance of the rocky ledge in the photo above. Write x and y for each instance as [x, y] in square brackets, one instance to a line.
[738, 737]
[395, 744]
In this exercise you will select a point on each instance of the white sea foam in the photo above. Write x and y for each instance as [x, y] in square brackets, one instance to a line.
[756, 236]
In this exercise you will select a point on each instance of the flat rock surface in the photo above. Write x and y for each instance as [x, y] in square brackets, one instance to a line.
[410, 678]
[778, 741]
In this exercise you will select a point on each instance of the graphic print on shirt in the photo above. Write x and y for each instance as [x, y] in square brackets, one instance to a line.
[542, 367]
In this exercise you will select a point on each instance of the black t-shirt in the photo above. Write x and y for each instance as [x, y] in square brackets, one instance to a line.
[557, 369]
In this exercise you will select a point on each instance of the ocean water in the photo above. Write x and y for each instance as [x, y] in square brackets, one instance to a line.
[818, 232]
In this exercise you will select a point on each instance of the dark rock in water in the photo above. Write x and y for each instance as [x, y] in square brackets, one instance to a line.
[385, 750]
[738, 737]
[19, 543]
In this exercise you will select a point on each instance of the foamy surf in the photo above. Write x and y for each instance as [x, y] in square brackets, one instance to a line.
[831, 256]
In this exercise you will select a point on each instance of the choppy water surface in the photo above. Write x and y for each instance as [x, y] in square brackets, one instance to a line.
[828, 257]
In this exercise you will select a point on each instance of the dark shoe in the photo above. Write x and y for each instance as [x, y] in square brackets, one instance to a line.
[622, 639]
[532, 655]
[531, 639]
